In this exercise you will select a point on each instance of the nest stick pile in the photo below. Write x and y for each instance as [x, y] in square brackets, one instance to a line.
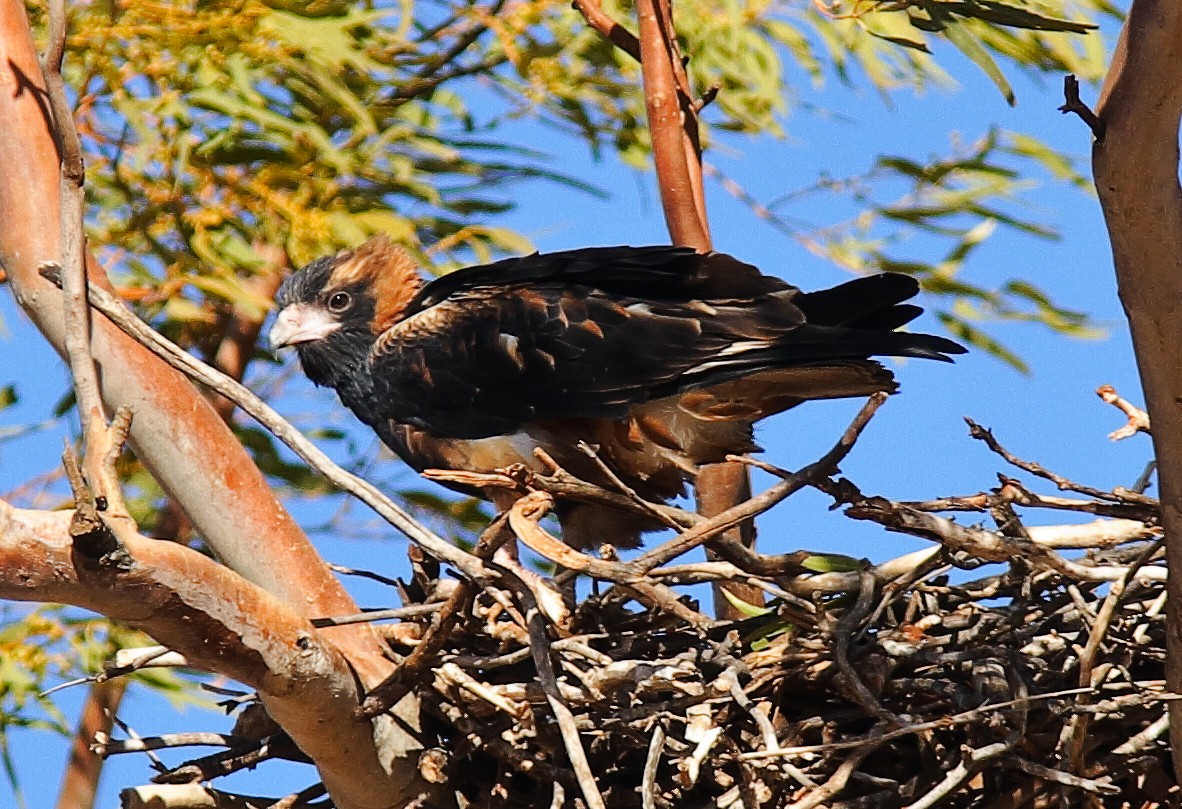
[1007, 665]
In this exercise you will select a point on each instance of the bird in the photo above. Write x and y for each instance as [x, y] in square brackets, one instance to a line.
[661, 359]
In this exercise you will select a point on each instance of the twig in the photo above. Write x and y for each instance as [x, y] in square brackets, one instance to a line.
[648, 783]
[539, 644]
[563, 484]
[226, 763]
[919, 727]
[1145, 738]
[707, 98]
[1138, 418]
[982, 434]
[967, 767]
[456, 676]
[301, 798]
[251, 404]
[366, 574]
[706, 529]
[128, 661]
[1073, 103]
[766, 729]
[1145, 478]
[843, 636]
[524, 516]
[836, 782]
[395, 613]
[982, 544]
[627, 491]
[1067, 779]
[77, 314]
[1078, 726]
[387, 693]
[111, 747]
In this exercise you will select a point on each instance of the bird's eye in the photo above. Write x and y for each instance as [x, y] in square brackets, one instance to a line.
[339, 302]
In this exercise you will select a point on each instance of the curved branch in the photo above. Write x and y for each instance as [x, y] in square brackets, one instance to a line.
[221, 623]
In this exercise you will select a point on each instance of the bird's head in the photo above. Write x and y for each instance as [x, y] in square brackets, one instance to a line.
[333, 309]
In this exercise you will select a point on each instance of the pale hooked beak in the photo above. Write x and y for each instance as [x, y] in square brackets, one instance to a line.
[300, 323]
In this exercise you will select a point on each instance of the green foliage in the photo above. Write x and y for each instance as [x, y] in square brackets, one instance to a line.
[41, 648]
[227, 142]
[947, 206]
[1032, 35]
[831, 563]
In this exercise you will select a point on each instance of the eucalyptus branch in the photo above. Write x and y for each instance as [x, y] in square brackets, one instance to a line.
[673, 125]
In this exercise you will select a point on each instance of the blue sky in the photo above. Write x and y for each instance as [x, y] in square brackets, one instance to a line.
[917, 447]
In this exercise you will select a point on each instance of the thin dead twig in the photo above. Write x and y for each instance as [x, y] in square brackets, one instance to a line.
[229, 762]
[648, 783]
[760, 503]
[524, 516]
[982, 544]
[982, 434]
[626, 490]
[843, 636]
[106, 746]
[1087, 657]
[1066, 779]
[539, 643]
[387, 693]
[1073, 103]
[969, 766]
[837, 782]
[394, 613]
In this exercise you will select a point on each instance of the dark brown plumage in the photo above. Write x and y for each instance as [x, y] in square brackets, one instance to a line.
[660, 357]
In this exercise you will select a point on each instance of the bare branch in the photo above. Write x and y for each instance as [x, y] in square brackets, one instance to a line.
[72, 176]
[1073, 103]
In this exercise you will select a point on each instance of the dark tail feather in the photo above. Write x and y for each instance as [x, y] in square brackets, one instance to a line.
[869, 302]
[817, 343]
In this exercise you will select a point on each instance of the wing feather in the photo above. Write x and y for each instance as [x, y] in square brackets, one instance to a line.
[587, 334]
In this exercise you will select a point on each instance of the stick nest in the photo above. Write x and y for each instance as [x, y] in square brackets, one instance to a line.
[1007, 665]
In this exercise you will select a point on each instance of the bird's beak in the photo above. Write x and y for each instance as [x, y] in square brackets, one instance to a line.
[299, 323]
